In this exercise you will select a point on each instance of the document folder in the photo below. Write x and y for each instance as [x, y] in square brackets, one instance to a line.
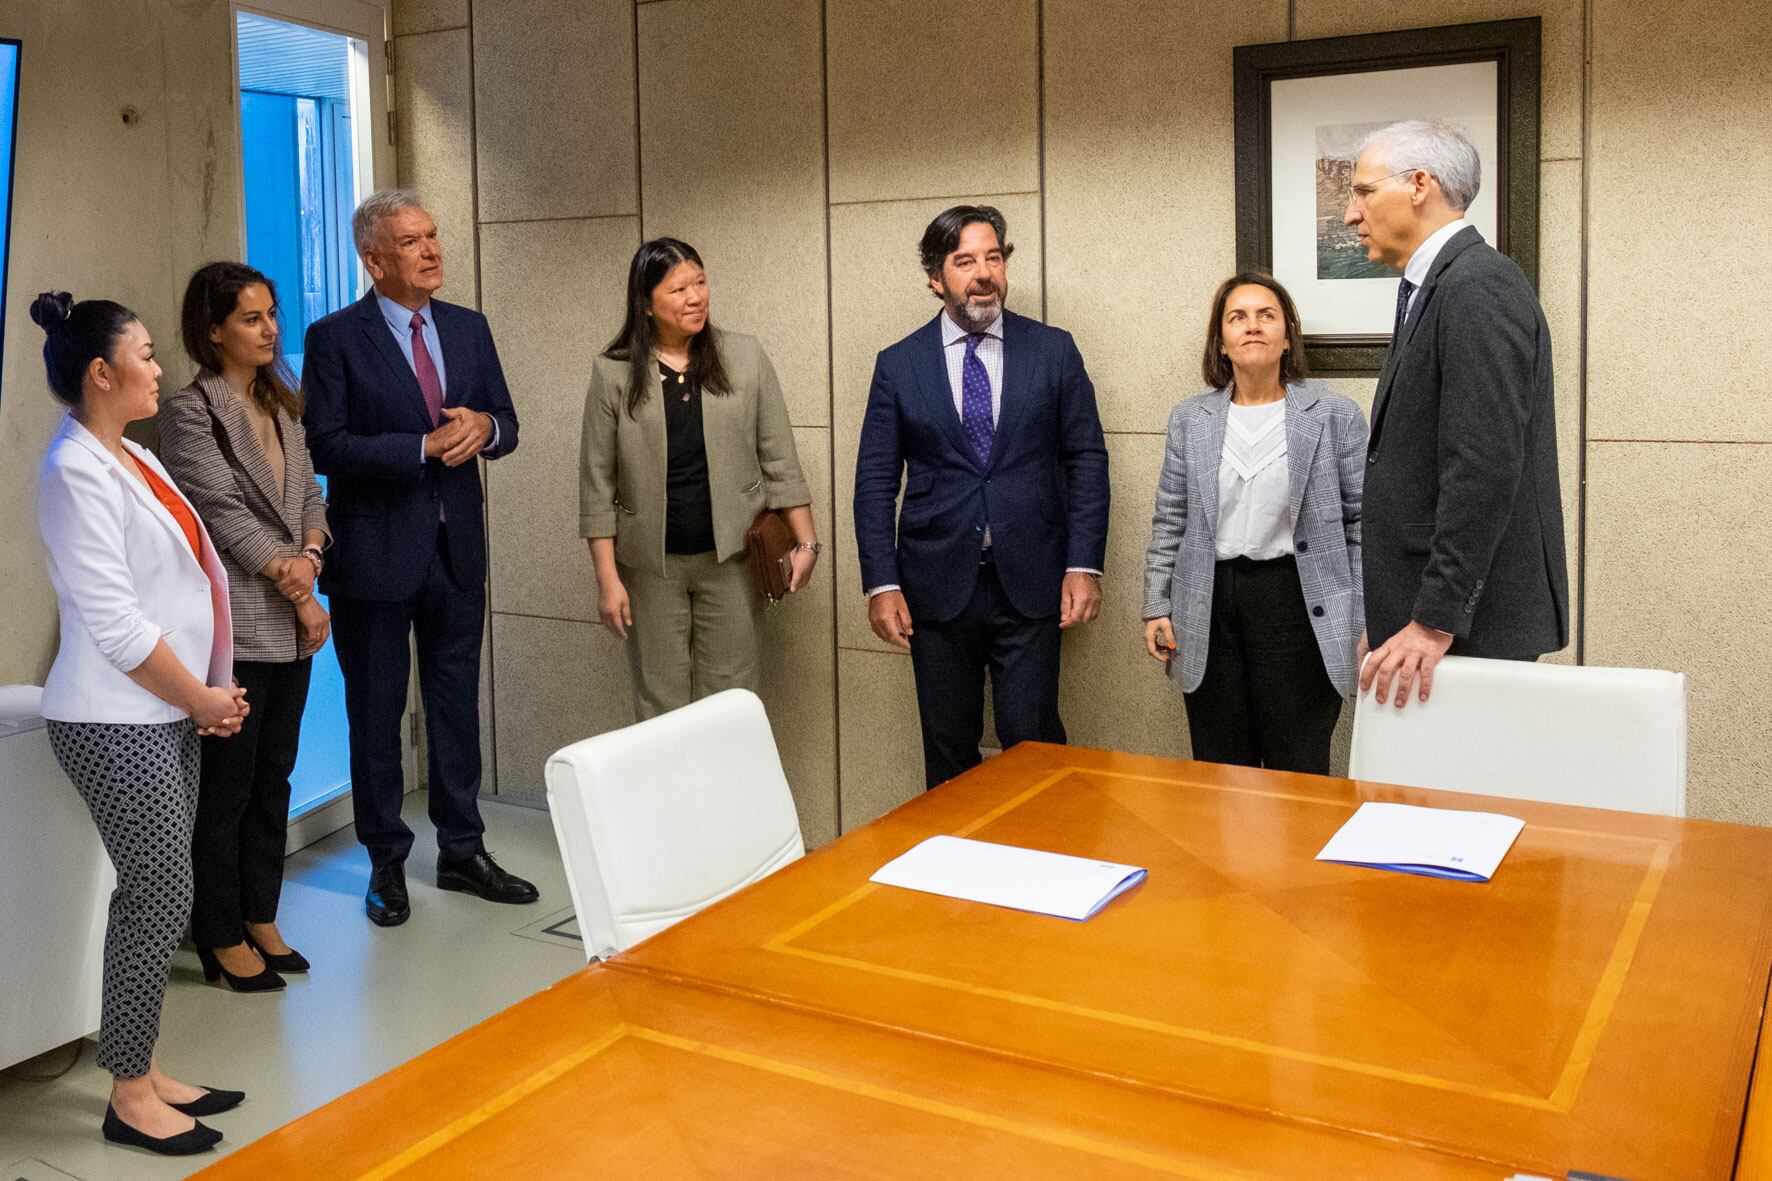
[1008, 875]
[1434, 842]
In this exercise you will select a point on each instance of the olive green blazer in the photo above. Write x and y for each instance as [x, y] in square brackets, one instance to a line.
[752, 462]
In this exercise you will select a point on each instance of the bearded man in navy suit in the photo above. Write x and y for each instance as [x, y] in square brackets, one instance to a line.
[990, 419]
[403, 393]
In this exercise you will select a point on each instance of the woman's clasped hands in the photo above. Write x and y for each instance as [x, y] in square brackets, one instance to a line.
[220, 710]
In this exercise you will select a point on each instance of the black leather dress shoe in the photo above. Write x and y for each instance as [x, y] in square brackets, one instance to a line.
[481, 875]
[386, 903]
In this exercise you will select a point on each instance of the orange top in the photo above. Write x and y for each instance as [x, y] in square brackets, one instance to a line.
[174, 504]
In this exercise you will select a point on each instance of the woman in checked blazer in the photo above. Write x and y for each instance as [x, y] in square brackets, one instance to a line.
[233, 440]
[1254, 558]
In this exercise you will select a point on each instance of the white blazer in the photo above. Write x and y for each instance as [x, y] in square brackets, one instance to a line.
[125, 578]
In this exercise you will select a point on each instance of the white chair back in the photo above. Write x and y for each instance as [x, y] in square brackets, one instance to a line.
[1597, 737]
[659, 819]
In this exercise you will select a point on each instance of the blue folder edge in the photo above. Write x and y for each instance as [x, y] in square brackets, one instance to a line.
[1126, 883]
[1426, 871]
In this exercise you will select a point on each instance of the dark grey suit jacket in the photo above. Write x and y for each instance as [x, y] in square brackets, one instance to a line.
[1463, 517]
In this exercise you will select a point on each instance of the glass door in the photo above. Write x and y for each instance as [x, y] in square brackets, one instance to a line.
[308, 157]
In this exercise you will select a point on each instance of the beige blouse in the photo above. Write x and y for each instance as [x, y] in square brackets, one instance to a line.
[264, 429]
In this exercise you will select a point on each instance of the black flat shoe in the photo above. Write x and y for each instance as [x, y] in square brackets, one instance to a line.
[212, 1102]
[481, 875]
[198, 1139]
[290, 962]
[265, 981]
[386, 903]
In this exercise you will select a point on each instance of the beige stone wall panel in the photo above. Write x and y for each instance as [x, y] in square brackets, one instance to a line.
[962, 112]
[1140, 196]
[1112, 694]
[799, 645]
[732, 161]
[1678, 582]
[1680, 229]
[881, 744]
[540, 565]
[554, 108]
[430, 16]
[434, 111]
[554, 683]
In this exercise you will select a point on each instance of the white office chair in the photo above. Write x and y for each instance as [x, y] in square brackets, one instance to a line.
[1598, 737]
[657, 820]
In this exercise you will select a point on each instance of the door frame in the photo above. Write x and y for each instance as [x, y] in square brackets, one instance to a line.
[370, 24]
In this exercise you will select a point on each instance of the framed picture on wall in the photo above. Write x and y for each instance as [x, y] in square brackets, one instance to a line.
[1302, 110]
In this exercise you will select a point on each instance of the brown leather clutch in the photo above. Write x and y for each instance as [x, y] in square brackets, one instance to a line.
[769, 548]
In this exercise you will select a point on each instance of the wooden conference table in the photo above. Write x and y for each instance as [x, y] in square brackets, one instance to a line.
[1246, 1012]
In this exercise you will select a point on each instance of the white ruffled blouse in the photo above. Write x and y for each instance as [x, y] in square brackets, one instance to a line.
[1254, 485]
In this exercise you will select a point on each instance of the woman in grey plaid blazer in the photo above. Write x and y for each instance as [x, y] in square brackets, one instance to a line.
[233, 441]
[1254, 558]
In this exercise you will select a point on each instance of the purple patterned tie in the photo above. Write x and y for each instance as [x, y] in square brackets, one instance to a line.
[429, 384]
[426, 369]
[975, 400]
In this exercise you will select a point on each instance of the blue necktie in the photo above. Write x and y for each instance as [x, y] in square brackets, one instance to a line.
[975, 401]
[1404, 290]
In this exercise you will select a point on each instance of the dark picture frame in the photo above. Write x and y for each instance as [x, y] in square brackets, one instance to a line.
[1514, 48]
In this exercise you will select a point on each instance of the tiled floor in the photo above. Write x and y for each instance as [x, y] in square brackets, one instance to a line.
[375, 999]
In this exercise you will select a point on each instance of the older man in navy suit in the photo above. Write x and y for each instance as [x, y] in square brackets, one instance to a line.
[403, 392]
[999, 544]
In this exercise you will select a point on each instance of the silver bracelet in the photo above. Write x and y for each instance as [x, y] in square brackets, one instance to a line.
[809, 545]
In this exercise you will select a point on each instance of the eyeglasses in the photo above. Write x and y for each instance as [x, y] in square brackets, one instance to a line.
[1360, 193]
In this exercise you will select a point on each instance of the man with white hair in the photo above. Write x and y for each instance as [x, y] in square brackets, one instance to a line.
[1462, 518]
[403, 392]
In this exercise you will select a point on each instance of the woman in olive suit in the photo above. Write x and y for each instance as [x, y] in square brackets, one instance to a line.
[686, 439]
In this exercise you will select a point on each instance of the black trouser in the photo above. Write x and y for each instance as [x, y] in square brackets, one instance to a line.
[1266, 700]
[949, 661]
[243, 806]
[371, 639]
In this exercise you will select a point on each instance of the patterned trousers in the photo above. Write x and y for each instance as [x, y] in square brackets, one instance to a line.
[140, 784]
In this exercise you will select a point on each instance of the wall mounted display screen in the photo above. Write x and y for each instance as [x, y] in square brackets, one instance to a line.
[8, 140]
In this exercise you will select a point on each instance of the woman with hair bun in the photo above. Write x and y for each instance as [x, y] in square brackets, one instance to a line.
[143, 669]
[233, 439]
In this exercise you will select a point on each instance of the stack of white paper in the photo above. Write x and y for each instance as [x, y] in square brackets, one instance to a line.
[1435, 842]
[1007, 875]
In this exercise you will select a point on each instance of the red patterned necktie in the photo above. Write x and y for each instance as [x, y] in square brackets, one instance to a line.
[428, 383]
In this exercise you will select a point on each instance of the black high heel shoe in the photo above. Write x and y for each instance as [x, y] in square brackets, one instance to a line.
[213, 1102]
[265, 981]
[198, 1139]
[293, 961]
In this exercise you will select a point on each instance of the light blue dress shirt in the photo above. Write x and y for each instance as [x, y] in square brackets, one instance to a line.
[399, 321]
[990, 352]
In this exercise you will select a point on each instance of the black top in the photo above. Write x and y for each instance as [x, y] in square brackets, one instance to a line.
[689, 509]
